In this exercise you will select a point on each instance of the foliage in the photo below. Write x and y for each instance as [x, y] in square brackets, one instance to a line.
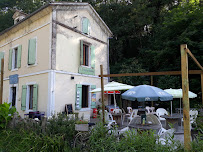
[100, 140]
[81, 122]
[6, 114]
[30, 141]
[62, 125]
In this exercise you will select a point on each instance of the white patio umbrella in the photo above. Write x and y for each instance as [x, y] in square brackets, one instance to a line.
[113, 86]
[178, 93]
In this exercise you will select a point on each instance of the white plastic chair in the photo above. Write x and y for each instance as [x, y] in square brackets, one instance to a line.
[162, 131]
[193, 115]
[116, 111]
[129, 109]
[133, 114]
[161, 111]
[148, 110]
[108, 118]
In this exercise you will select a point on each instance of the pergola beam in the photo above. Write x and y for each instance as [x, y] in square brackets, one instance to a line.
[152, 73]
[194, 59]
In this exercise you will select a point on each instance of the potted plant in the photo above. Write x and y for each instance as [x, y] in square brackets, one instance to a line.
[81, 125]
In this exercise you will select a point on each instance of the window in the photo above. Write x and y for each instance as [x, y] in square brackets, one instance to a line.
[87, 58]
[29, 97]
[15, 58]
[86, 55]
[85, 26]
[32, 51]
[1, 57]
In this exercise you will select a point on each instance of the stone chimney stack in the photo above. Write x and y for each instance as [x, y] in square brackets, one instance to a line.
[18, 16]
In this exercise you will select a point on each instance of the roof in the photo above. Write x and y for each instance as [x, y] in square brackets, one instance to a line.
[56, 4]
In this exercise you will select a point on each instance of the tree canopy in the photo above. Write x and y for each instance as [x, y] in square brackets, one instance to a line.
[147, 35]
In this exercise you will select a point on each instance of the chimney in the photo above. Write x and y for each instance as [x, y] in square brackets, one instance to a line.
[18, 16]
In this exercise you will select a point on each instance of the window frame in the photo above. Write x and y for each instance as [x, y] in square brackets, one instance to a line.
[14, 58]
[27, 96]
[10, 94]
[89, 98]
[89, 54]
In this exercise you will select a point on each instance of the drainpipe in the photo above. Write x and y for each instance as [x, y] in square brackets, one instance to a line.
[108, 67]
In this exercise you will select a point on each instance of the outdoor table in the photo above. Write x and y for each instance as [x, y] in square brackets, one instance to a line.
[154, 127]
[172, 119]
[119, 118]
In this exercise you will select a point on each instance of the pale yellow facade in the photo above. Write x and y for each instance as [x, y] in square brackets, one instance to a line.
[57, 30]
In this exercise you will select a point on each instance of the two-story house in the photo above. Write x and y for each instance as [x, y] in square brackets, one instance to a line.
[52, 57]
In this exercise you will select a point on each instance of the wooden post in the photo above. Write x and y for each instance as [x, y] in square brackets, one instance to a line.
[202, 86]
[2, 80]
[186, 105]
[152, 85]
[102, 93]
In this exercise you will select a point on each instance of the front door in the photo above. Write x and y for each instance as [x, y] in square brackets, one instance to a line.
[13, 96]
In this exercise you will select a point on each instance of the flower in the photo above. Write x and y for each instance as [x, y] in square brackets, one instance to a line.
[81, 122]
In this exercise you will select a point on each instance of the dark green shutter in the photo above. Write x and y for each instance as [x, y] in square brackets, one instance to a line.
[19, 56]
[1, 57]
[78, 101]
[93, 97]
[92, 56]
[35, 96]
[81, 52]
[10, 59]
[23, 97]
[32, 51]
[85, 26]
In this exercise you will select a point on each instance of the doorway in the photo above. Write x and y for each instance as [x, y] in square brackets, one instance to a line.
[13, 96]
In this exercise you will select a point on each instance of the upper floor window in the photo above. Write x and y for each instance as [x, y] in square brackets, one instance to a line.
[85, 54]
[85, 26]
[1, 57]
[15, 58]
[32, 51]
[87, 58]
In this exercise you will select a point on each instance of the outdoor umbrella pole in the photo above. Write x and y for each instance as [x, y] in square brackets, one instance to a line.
[171, 108]
[180, 105]
[114, 97]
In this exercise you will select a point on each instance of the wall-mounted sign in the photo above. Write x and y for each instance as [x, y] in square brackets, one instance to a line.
[13, 79]
[93, 97]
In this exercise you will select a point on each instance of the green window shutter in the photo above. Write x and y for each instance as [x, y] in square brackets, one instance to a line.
[19, 56]
[35, 96]
[93, 97]
[85, 26]
[10, 59]
[1, 57]
[81, 52]
[78, 102]
[92, 56]
[32, 51]
[23, 97]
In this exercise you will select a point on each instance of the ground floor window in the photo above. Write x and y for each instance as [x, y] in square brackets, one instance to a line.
[30, 96]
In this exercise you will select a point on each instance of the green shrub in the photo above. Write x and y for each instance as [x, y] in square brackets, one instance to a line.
[6, 114]
[23, 141]
[101, 140]
[62, 125]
